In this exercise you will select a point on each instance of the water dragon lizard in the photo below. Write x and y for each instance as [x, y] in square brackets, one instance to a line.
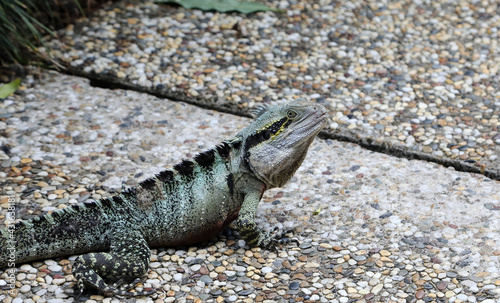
[195, 200]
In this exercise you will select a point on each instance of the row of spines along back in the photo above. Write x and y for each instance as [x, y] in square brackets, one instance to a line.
[185, 168]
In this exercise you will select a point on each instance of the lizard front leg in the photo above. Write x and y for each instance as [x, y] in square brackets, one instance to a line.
[248, 229]
[128, 258]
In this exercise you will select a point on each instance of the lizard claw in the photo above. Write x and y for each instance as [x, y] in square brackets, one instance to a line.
[287, 240]
[282, 234]
[280, 239]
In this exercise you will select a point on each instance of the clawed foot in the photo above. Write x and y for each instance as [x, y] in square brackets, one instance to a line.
[125, 285]
[254, 236]
[119, 288]
[279, 238]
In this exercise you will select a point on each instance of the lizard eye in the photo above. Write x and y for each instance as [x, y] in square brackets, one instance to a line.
[291, 114]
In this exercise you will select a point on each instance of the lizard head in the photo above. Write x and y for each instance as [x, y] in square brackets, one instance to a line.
[276, 143]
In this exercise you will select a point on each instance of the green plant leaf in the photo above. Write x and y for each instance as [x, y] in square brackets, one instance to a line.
[222, 6]
[9, 88]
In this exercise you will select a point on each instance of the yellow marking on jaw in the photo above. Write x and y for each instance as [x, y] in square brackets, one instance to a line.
[266, 126]
[277, 133]
[268, 132]
[279, 130]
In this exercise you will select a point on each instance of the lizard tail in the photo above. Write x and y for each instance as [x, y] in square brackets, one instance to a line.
[71, 230]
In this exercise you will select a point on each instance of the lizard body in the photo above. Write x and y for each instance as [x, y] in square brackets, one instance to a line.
[189, 204]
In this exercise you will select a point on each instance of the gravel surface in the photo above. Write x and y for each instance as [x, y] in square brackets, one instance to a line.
[419, 76]
[371, 227]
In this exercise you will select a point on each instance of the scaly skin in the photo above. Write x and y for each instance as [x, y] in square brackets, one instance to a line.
[183, 206]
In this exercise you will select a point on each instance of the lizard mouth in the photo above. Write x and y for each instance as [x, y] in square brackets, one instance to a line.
[308, 129]
[322, 118]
